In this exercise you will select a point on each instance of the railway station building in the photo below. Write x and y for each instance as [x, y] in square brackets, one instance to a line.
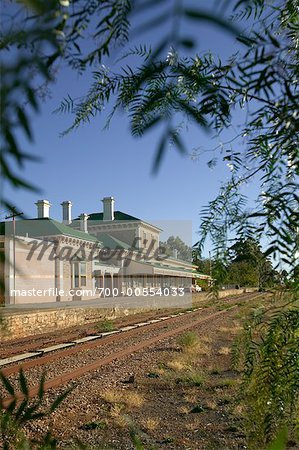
[108, 253]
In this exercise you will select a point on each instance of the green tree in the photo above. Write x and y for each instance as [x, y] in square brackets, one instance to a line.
[205, 266]
[242, 273]
[175, 246]
[248, 265]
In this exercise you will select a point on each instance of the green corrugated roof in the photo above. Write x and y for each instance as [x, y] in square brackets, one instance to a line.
[47, 227]
[118, 215]
[179, 269]
[166, 267]
[112, 242]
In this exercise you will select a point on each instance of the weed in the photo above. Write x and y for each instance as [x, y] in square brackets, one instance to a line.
[188, 341]
[224, 351]
[116, 410]
[132, 399]
[197, 409]
[93, 426]
[105, 326]
[223, 402]
[128, 399]
[225, 383]
[183, 410]
[167, 440]
[211, 405]
[215, 371]
[153, 375]
[15, 415]
[223, 306]
[191, 377]
[150, 423]
[177, 364]
[112, 396]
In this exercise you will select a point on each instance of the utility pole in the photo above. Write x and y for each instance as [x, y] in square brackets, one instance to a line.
[13, 216]
[210, 258]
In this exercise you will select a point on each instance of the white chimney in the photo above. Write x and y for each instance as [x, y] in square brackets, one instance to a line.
[108, 208]
[66, 212]
[43, 209]
[83, 222]
[175, 253]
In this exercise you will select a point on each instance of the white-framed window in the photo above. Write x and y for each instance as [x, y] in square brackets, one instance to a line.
[78, 274]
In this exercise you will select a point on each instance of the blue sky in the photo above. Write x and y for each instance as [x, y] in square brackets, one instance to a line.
[90, 163]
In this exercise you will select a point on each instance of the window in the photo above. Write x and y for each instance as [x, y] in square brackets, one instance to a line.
[79, 274]
[83, 273]
[153, 241]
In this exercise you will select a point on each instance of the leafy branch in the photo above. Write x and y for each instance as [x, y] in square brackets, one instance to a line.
[15, 413]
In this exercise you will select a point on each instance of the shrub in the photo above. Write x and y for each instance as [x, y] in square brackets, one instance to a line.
[269, 354]
[191, 377]
[18, 412]
[188, 341]
[105, 326]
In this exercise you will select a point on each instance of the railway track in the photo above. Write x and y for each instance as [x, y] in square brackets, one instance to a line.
[144, 335]
[36, 351]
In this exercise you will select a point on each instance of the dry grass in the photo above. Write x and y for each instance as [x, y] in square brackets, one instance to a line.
[188, 341]
[133, 399]
[225, 329]
[191, 377]
[189, 359]
[112, 396]
[161, 371]
[224, 351]
[191, 396]
[177, 364]
[239, 411]
[150, 423]
[212, 404]
[191, 345]
[122, 402]
[226, 382]
[192, 426]
[203, 349]
[118, 417]
[126, 398]
[183, 410]
[233, 331]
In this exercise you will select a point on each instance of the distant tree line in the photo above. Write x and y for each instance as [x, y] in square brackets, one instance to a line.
[175, 247]
[245, 265]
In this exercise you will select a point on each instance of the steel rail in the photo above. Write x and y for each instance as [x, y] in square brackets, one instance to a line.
[42, 359]
[79, 372]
